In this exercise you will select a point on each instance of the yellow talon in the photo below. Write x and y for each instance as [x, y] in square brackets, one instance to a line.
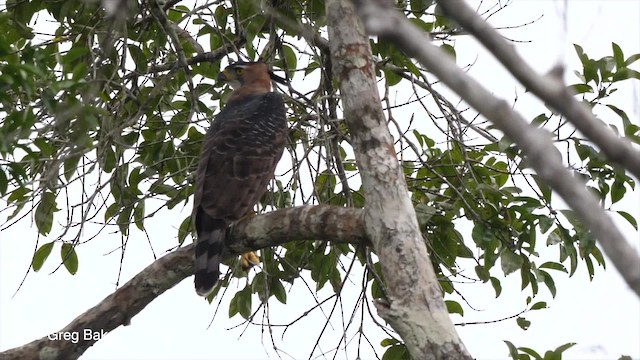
[249, 260]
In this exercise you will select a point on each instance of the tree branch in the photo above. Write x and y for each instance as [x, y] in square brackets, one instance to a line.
[536, 143]
[272, 229]
[415, 307]
[549, 88]
[210, 56]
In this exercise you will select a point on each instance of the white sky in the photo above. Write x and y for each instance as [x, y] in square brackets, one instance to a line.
[602, 316]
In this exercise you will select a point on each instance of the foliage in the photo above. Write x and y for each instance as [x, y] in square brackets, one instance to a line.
[119, 107]
[524, 353]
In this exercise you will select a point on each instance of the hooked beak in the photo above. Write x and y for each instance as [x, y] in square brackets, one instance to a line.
[223, 76]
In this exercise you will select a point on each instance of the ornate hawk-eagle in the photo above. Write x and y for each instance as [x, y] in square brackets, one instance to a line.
[238, 159]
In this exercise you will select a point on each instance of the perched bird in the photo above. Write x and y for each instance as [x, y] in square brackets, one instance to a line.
[238, 159]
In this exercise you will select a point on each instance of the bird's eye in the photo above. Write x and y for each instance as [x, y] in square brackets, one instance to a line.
[239, 71]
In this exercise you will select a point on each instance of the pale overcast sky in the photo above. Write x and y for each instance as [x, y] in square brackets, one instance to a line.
[602, 316]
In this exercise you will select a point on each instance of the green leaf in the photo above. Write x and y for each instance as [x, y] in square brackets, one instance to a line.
[424, 213]
[391, 77]
[183, 230]
[554, 238]
[581, 55]
[44, 212]
[4, 183]
[69, 258]
[631, 59]
[528, 351]
[396, 352]
[595, 252]
[254, 25]
[617, 191]
[377, 292]
[178, 124]
[258, 286]
[548, 281]
[325, 185]
[420, 6]
[278, 290]
[496, 286]
[573, 258]
[449, 50]
[139, 58]
[233, 306]
[138, 215]
[46, 149]
[544, 188]
[244, 303]
[174, 15]
[18, 195]
[580, 88]
[290, 58]
[482, 273]
[545, 223]
[513, 351]
[70, 166]
[620, 113]
[606, 66]
[388, 342]
[41, 255]
[74, 54]
[590, 270]
[107, 159]
[241, 303]
[618, 56]
[453, 307]
[123, 220]
[541, 119]
[482, 235]
[564, 347]
[215, 41]
[626, 73]
[523, 323]
[629, 218]
[510, 261]
[531, 352]
[539, 305]
[220, 14]
[424, 26]
[112, 211]
[554, 266]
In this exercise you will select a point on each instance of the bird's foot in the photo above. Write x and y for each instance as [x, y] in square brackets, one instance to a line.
[249, 260]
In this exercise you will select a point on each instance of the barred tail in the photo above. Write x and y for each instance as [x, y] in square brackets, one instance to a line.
[211, 233]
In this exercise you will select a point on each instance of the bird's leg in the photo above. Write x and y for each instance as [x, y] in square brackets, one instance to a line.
[248, 259]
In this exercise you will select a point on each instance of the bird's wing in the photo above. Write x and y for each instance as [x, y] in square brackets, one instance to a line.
[239, 156]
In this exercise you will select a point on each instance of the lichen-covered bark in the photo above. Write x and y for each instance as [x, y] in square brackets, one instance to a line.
[415, 308]
[275, 228]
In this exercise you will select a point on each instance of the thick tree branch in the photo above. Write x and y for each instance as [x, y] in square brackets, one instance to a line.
[534, 142]
[550, 88]
[415, 307]
[272, 229]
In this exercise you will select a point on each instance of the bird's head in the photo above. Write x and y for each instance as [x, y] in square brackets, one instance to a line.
[254, 74]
